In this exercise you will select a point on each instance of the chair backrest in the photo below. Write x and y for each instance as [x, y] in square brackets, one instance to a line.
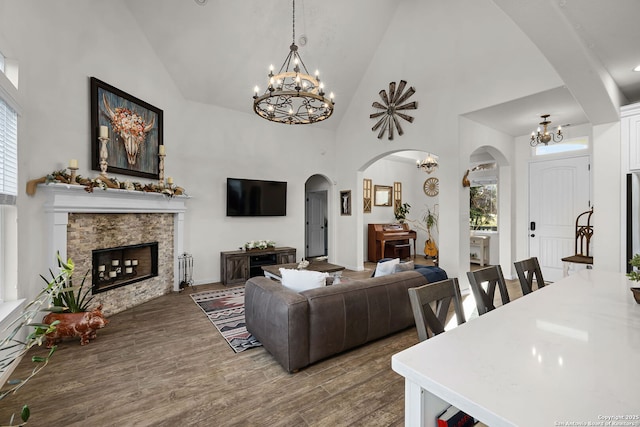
[528, 270]
[584, 233]
[495, 280]
[439, 294]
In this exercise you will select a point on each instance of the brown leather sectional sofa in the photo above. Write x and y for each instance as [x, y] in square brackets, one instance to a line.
[299, 329]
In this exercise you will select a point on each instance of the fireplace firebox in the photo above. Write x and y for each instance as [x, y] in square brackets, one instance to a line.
[124, 265]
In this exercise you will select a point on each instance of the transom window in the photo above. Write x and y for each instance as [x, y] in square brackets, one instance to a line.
[573, 144]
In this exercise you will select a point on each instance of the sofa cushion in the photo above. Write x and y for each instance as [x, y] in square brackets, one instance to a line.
[302, 280]
[404, 266]
[384, 268]
[347, 315]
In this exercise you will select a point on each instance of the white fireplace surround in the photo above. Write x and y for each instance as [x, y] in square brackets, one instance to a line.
[63, 199]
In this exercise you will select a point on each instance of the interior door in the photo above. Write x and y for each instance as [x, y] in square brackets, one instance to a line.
[316, 224]
[558, 192]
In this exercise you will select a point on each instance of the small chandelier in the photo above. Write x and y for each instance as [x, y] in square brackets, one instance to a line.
[293, 96]
[542, 136]
[428, 164]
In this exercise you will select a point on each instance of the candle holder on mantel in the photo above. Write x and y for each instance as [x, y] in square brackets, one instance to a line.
[161, 169]
[104, 154]
[72, 172]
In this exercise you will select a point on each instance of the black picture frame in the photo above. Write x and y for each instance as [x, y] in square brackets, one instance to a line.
[345, 202]
[146, 163]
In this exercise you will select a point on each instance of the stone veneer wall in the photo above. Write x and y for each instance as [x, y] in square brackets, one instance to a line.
[86, 232]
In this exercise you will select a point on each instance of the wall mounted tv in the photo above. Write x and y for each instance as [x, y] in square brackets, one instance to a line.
[251, 197]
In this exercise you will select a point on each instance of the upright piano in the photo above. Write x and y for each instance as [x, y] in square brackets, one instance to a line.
[380, 234]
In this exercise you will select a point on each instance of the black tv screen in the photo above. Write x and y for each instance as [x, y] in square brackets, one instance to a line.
[251, 197]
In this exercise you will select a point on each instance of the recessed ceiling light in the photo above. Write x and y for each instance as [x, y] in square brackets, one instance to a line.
[201, 2]
[637, 68]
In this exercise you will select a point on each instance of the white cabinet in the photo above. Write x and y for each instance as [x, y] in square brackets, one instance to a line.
[630, 133]
[479, 249]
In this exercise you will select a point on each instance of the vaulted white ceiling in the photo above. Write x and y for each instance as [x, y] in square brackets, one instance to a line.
[217, 52]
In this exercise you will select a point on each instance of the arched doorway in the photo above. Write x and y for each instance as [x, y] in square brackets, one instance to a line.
[398, 170]
[317, 189]
[490, 212]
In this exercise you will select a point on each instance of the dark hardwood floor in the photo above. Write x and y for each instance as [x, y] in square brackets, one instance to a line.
[163, 364]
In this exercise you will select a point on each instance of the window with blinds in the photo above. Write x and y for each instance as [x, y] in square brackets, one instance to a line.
[8, 154]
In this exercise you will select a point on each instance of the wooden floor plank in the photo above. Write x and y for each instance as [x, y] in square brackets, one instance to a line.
[164, 364]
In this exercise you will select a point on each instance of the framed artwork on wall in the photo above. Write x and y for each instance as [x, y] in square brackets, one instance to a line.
[133, 129]
[382, 195]
[345, 202]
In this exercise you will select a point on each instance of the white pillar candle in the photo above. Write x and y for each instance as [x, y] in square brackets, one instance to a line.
[115, 262]
[134, 262]
[170, 180]
[127, 262]
[112, 273]
[101, 268]
[104, 132]
[161, 150]
[128, 270]
[73, 163]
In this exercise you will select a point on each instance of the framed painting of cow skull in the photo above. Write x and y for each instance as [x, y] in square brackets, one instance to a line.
[133, 129]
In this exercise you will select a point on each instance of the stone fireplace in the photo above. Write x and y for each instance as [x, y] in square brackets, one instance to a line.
[114, 226]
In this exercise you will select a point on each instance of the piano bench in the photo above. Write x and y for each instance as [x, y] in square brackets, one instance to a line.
[400, 249]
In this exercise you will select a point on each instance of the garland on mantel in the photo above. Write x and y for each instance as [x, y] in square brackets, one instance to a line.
[89, 184]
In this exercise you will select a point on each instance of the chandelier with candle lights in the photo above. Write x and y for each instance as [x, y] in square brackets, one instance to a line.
[429, 164]
[293, 96]
[543, 136]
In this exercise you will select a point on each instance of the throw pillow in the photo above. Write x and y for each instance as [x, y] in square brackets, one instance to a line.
[302, 280]
[386, 267]
[404, 266]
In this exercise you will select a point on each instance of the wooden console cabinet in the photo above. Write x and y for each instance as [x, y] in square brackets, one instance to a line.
[239, 266]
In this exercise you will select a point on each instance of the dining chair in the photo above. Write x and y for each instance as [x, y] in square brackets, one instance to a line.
[529, 270]
[438, 295]
[494, 279]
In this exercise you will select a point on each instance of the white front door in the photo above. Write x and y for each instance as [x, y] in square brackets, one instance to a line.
[316, 224]
[558, 192]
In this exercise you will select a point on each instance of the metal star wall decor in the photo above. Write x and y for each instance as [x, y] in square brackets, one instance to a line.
[392, 105]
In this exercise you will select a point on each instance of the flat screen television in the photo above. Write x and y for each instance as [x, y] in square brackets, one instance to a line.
[251, 197]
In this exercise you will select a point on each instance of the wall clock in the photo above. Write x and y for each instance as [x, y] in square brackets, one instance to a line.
[392, 106]
[430, 187]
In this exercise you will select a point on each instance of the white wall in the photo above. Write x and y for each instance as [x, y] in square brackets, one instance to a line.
[386, 171]
[477, 137]
[608, 181]
[205, 144]
[456, 66]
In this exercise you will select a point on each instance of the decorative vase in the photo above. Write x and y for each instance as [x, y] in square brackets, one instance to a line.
[636, 294]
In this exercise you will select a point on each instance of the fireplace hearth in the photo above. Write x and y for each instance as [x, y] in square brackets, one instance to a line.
[124, 265]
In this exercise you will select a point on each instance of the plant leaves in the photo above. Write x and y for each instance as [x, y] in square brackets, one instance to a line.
[25, 414]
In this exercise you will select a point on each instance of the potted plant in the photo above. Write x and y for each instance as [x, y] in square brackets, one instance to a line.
[72, 309]
[428, 222]
[13, 346]
[430, 218]
[67, 298]
[635, 276]
[401, 212]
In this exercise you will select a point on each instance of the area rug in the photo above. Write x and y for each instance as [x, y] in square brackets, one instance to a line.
[225, 309]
